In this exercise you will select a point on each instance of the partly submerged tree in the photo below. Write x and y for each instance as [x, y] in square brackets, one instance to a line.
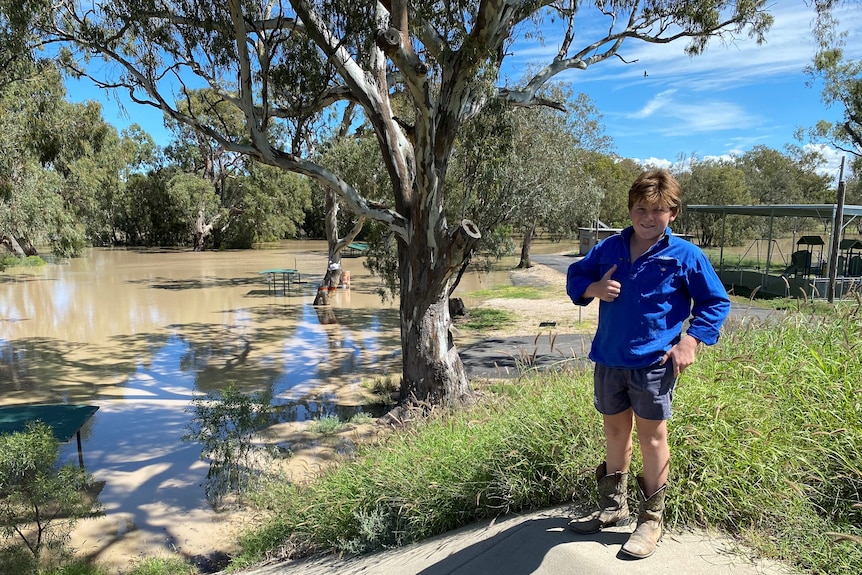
[287, 62]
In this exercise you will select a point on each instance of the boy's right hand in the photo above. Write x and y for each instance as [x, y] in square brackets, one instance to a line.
[606, 289]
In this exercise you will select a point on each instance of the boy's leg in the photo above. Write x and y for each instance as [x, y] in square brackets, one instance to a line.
[652, 437]
[652, 486]
[611, 474]
[618, 441]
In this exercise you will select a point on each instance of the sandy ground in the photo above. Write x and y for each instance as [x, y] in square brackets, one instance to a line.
[555, 312]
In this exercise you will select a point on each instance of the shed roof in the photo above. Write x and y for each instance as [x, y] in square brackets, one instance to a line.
[822, 211]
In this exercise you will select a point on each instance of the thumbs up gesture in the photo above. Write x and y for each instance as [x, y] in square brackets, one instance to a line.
[606, 289]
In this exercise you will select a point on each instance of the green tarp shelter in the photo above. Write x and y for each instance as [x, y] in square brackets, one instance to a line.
[66, 420]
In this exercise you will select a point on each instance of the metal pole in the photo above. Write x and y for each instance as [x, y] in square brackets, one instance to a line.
[837, 228]
[721, 248]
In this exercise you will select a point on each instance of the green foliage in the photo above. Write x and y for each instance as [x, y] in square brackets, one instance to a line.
[614, 177]
[81, 568]
[766, 443]
[523, 167]
[384, 387]
[715, 182]
[41, 502]
[841, 79]
[170, 565]
[226, 423]
[29, 261]
[362, 418]
[160, 565]
[61, 165]
[326, 425]
[770, 427]
[274, 204]
[509, 292]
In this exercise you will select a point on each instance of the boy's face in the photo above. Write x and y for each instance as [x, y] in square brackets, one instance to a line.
[650, 220]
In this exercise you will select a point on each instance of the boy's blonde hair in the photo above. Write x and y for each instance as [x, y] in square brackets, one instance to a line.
[656, 187]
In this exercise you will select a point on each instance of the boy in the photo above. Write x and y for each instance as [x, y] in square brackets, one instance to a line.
[647, 280]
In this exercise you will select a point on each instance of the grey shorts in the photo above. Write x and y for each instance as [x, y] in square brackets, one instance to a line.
[648, 390]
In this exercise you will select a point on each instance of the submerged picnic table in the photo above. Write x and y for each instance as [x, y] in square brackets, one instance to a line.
[287, 276]
[356, 249]
[64, 419]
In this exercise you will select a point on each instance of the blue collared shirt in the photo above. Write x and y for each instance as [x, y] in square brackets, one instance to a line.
[670, 283]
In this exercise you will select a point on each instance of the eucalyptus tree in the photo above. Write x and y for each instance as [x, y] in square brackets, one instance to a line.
[773, 177]
[199, 154]
[523, 168]
[614, 177]
[715, 182]
[841, 76]
[287, 61]
[556, 191]
[58, 160]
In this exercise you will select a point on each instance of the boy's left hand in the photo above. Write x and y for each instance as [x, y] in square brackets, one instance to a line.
[682, 354]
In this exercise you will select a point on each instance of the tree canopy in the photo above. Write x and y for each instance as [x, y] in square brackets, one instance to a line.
[842, 79]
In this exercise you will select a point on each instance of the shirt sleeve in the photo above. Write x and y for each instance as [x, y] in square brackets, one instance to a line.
[581, 274]
[711, 304]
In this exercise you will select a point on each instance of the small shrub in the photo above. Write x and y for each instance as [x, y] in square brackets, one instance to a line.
[362, 418]
[384, 386]
[42, 502]
[326, 425]
[227, 423]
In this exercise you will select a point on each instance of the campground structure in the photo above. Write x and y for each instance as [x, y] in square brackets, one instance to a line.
[811, 271]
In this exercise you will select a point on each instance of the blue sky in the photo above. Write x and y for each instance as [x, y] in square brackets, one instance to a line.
[723, 102]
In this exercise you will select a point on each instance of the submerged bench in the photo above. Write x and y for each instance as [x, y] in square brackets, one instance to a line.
[288, 276]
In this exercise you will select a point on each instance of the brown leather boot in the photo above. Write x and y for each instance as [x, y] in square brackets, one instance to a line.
[613, 503]
[649, 530]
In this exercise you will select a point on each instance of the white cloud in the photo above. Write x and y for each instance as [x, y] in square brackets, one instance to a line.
[831, 160]
[660, 102]
[788, 49]
[716, 104]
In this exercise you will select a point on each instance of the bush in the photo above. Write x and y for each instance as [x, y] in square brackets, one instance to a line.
[226, 423]
[40, 502]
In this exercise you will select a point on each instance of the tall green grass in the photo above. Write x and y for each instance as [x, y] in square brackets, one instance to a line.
[767, 437]
[765, 443]
[525, 449]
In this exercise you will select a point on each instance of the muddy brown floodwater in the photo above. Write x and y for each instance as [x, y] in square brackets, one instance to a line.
[141, 332]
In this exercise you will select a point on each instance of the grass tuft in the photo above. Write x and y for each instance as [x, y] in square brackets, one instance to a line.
[481, 319]
[510, 292]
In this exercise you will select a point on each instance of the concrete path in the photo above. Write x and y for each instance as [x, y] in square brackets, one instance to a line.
[538, 544]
